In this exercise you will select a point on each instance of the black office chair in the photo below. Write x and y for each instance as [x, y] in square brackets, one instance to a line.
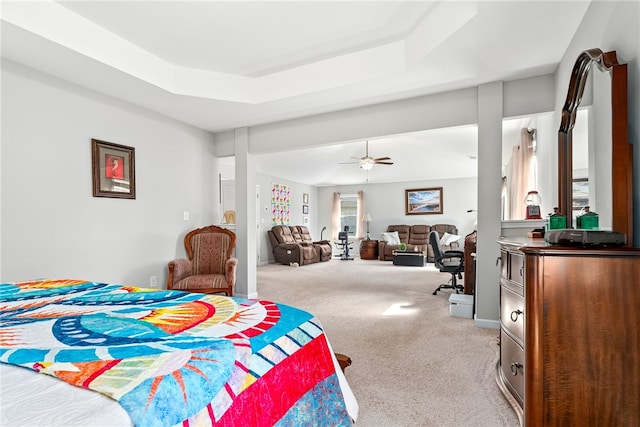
[451, 262]
[344, 244]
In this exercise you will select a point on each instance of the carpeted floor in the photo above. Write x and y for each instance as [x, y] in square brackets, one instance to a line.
[413, 364]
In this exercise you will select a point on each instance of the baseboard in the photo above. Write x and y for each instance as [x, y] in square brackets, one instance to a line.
[252, 295]
[487, 323]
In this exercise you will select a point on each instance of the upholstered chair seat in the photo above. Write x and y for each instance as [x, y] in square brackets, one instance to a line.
[210, 266]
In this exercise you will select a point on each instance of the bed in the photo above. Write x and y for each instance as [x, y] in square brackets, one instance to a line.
[162, 358]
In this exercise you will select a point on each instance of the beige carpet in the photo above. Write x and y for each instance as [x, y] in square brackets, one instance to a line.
[413, 364]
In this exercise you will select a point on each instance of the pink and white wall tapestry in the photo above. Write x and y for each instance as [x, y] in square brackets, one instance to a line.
[280, 204]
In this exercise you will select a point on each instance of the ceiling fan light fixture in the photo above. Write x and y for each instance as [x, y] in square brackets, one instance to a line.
[367, 164]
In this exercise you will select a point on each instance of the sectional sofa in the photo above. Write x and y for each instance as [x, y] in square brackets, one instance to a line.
[293, 244]
[413, 236]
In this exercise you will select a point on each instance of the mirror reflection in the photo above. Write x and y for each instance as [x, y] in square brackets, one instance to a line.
[528, 145]
[591, 151]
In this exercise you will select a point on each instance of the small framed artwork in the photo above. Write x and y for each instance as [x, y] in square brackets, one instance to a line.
[114, 172]
[305, 209]
[305, 220]
[305, 199]
[423, 201]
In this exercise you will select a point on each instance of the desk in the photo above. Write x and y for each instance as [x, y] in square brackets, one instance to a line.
[369, 249]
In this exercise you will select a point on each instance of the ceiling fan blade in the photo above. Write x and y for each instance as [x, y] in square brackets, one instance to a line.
[383, 163]
[348, 163]
[381, 158]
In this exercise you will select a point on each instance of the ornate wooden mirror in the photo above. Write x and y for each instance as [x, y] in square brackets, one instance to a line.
[621, 167]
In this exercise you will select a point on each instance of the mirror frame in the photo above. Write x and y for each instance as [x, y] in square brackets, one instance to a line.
[622, 151]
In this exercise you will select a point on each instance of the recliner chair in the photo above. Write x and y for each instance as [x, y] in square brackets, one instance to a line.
[451, 262]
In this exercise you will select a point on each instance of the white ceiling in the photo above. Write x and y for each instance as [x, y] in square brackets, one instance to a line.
[219, 65]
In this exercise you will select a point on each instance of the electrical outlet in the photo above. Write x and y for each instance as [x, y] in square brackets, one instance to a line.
[153, 281]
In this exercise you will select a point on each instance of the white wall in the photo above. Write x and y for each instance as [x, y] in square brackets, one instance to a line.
[386, 204]
[52, 226]
[297, 190]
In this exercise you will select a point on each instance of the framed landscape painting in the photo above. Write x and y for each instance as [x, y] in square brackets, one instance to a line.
[423, 201]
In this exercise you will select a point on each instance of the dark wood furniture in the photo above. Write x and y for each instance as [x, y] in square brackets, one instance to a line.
[470, 241]
[569, 341]
[410, 258]
[622, 152]
[369, 249]
[343, 360]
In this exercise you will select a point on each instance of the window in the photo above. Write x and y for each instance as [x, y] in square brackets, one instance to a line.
[349, 212]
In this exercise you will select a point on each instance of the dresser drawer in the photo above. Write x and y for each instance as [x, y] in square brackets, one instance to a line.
[512, 365]
[504, 265]
[512, 313]
[516, 268]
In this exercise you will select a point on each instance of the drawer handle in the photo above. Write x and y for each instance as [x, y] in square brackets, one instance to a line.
[514, 368]
[515, 314]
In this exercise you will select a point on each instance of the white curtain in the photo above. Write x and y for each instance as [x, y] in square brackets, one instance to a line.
[335, 216]
[522, 166]
[360, 215]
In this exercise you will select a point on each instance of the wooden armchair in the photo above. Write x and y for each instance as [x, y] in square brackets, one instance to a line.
[210, 267]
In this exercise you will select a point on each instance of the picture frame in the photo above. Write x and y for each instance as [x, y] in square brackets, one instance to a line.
[423, 201]
[305, 209]
[305, 199]
[114, 172]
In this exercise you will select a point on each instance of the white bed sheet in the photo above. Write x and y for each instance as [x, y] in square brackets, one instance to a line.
[29, 399]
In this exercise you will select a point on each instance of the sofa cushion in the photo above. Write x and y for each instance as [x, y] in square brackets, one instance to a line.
[403, 231]
[419, 235]
[447, 239]
[391, 238]
[295, 233]
[282, 233]
[304, 233]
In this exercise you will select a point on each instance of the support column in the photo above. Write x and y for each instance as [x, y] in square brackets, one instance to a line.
[489, 188]
[245, 177]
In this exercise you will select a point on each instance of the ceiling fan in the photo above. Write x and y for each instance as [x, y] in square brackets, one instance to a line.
[367, 162]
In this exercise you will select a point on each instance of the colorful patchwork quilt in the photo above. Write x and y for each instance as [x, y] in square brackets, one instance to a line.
[175, 358]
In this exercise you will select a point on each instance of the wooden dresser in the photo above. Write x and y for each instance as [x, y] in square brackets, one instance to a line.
[570, 334]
